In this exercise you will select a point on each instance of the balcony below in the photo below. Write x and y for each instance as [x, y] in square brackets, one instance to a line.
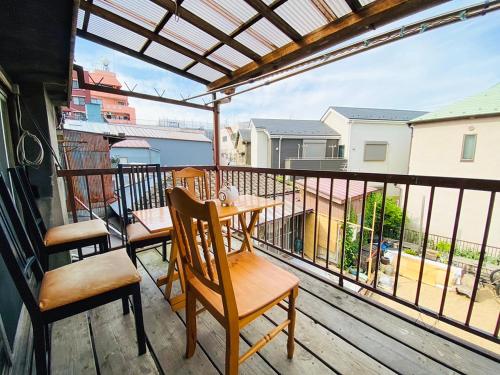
[335, 333]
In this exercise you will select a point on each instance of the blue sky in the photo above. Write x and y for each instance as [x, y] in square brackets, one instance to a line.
[424, 72]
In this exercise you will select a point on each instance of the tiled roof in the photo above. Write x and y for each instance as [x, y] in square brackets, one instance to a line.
[482, 104]
[277, 127]
[135, 131]
[339, 188]
[354, 113]
[132, 143]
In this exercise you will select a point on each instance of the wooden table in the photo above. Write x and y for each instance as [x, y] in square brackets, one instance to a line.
[158, 220]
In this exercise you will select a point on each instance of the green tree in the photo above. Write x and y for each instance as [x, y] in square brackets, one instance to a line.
[393, 215]
[351, 245]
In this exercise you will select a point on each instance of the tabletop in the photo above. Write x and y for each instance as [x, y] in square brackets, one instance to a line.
[158, 219]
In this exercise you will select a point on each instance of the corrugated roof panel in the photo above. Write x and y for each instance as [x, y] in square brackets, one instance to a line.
[263, 37]
[206, 72]
[301, 15]
[247, 39]
[226, 15]
[167, 55]
[366, 2]
[79, 21]
[229, 57]
[339, 7]
[142, 12]
[115, 33]
[188, 35]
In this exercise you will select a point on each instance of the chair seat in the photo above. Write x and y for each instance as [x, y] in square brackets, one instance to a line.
[136, 232]
[256, 283]
[74, 232]
[87, 278]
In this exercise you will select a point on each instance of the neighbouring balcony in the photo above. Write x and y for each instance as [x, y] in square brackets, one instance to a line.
[412, 302]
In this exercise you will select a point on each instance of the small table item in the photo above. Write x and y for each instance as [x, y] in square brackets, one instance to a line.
[158, 219]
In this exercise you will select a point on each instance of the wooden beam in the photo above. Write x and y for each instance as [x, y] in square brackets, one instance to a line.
[111, 90]
[160, 27]
[355, 5]
[252, 21]
[275, 19]
[123, 22]
[86, 18]
[118, 47]
[377, 13]
[71, 57]
[207, 27]
[325, 10]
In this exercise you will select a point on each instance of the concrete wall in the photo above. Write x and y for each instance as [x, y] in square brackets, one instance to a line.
[436, 151]
[398, 138]
[175, 152]
[136, 155]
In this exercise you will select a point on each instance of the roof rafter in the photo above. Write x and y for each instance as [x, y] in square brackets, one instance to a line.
[118, 47]
[275, 19]
[325, 10]
[207, 27]
[252, 21]
[355, 5]
[120, 21]
[377, 13]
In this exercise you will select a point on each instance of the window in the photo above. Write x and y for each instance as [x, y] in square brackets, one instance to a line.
[78, 100]
[95, 101]
[80, 116]
[469, 147]
[341, 151]
[375, 151]
[75, 84]
[120, 102]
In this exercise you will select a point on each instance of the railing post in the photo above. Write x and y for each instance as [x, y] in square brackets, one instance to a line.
[216, 147]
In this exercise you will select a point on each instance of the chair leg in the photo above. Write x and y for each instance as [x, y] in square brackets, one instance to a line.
[190, 323]
[228, 228]
[103, 246]
[44, 261]
[291, 327]
[125, 306]
[164, 251]
[80, 253]
[139, 321]
[40, 349]
[132, 254]
[232, 350]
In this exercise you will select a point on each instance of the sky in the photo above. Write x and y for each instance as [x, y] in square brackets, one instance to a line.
[424, 72]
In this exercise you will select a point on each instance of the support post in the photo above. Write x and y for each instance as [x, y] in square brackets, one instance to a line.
[216, 142]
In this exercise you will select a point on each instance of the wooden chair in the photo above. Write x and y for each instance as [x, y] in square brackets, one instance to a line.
[65, 291]
[236, 288]
[141, 188]
[57, 239]
[196, 182]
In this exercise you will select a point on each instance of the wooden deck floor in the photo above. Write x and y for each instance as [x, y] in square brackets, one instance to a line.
[335, 333]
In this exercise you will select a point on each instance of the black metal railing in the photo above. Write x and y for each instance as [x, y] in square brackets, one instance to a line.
[347, 232]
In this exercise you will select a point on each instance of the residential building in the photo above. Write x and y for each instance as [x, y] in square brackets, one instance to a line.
[459, 140]
[372, 139]
[96, 105]
[274, 141]
[168, 146]
[134, 151]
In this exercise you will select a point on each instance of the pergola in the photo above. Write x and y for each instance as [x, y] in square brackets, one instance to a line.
[223, 42]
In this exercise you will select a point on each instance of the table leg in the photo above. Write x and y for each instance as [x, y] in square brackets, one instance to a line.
[247, 230]
[176, 302]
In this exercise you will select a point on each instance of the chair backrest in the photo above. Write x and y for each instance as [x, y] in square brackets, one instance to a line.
[140, 187]
[31, 213]
[194, 180]
[18, 252]
[189, 216]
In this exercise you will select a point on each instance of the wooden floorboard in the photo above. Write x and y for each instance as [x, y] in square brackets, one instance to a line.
[116, 343]
[211, 335]
[71, 347]
[420, 340]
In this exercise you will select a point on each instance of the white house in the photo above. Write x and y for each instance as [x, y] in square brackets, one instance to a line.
[373, 140]
[460, 140]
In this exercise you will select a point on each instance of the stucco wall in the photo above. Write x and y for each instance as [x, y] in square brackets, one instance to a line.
[341, 125]
[175, 152]
[436, 151]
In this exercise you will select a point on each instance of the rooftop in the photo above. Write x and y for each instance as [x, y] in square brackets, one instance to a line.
[137, 131]
[132, 143]
[339, 188]
[355, 113]
[277, 127]
[486, 103]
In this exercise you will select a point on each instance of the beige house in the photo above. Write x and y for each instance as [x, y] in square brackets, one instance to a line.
[460, 140]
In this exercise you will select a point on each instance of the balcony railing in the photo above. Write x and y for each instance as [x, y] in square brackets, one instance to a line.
[350, 240]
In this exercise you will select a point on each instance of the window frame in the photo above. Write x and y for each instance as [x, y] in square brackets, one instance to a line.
[375, 143]
[462, 159]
